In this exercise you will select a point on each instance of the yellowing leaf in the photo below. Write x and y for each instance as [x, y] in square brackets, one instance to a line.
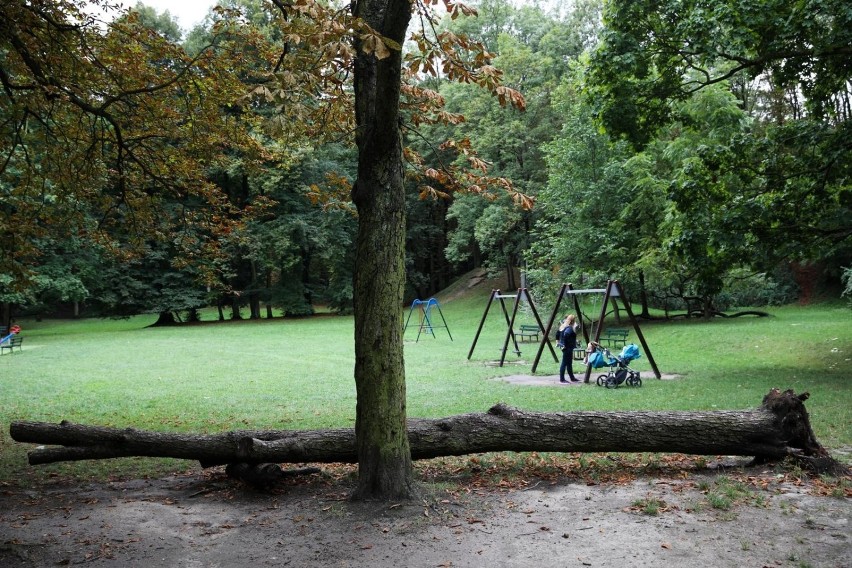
[382, 51]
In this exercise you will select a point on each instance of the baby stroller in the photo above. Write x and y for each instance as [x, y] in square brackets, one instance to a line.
[619, 371]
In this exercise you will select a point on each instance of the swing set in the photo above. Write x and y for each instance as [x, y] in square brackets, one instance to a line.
[522, 294]
[425, 320]
[613, 291]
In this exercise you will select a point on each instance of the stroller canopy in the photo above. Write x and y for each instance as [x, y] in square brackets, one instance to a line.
[629, 353]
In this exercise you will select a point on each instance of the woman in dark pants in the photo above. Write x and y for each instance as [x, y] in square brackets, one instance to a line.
[566, 339]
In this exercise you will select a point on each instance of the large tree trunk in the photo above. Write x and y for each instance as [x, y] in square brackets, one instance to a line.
[6, 314]
[384, 459]
[779, 428]
[643, 297]
[254, 296]
[165, 318]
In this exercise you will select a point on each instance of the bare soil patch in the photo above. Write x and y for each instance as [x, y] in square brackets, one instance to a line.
[204, 519]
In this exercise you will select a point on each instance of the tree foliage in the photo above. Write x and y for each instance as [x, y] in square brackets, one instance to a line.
[769, 183]
[653, 52]
[107, 131]
[533, 50]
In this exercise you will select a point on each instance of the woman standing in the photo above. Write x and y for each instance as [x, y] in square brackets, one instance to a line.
[566, 339]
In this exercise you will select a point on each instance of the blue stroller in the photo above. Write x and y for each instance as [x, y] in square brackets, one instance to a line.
[619, 371]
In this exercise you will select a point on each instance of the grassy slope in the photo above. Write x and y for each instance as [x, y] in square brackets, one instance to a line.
[298, 373]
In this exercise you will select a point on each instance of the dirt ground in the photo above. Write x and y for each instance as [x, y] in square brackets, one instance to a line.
[203, 519]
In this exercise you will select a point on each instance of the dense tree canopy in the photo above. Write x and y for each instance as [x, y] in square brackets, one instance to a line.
[135, 127]
[654, 52]
[775, 173]
[107, 134]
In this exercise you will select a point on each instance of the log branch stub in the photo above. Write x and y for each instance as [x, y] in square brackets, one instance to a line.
[503, 410]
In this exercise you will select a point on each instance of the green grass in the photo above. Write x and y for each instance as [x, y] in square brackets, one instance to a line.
[297, 374]
[726, 492]
[650, 506]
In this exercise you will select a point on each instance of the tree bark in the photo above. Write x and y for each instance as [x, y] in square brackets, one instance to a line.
[6, 314]
[643, 297]
[165, 318]
[384, 460]
[780, 427]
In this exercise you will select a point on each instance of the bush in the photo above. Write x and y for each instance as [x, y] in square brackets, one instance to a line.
[743, 288]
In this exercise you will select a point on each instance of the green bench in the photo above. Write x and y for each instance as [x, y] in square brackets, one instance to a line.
[11, 343]
[528, 333]
[615, 337]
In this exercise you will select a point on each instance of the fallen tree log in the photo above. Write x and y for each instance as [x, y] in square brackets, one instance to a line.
[780, 427]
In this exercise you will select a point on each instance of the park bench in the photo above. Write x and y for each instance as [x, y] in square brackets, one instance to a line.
[615, 337]
[11, 343]
[528, 332]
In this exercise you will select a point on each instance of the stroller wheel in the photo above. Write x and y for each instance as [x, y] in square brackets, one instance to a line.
[602, 380]
[634, 380]
[611, 382]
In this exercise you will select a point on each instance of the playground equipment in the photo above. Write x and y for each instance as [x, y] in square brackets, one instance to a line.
[522, 294]
[613, 291]
[425, 320]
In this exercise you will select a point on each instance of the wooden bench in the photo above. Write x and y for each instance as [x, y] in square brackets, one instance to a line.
[528, 332]
[615, 337]
[11, 343]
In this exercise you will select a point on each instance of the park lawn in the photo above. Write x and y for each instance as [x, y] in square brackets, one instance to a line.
[297, 374]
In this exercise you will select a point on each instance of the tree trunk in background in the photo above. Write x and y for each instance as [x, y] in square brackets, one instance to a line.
[806, 274]
[269, 314]
[165, 318]
[254, 295]
[511, 283]
[616, 310]
[384, 458]
[235, 308]
[6, 314]
[643, 296]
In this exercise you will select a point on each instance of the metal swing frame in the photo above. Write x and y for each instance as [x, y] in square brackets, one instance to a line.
[522, 294]
[425, 318]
